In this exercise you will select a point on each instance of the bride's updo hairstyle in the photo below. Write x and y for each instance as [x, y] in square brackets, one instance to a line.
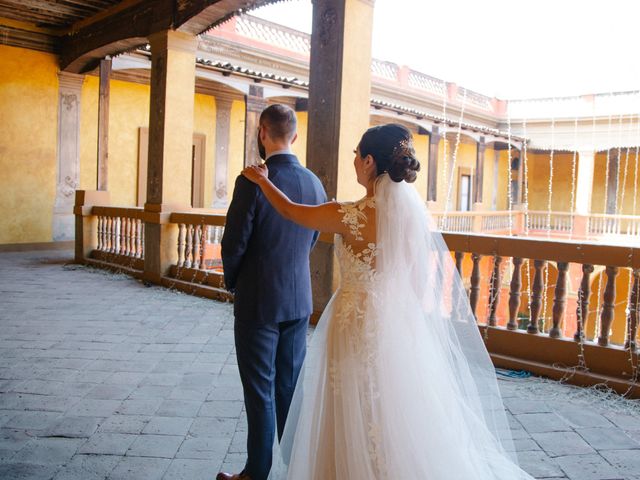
[391, 147]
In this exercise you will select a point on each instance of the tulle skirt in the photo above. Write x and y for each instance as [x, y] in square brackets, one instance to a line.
[380, 397]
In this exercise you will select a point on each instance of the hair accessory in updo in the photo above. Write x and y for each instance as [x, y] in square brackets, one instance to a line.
[391, 147]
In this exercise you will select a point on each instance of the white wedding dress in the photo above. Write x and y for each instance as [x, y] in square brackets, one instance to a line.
[397, 383]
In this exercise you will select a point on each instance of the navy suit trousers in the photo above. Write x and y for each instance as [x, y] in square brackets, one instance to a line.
[270, 356]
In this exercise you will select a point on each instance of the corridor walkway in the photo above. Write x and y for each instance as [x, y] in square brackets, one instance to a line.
[103, 377]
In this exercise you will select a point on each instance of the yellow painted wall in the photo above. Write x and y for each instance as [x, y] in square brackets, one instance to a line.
[204, 121]
[29, 113]
[128, 110]
[487, 180]
[236, 144]
[502, 202]
[355, 93]
[300, 145]
[421, 145]
[449, 170]
[625, 200]
[561, 185]
[89, 133]
[626, 185]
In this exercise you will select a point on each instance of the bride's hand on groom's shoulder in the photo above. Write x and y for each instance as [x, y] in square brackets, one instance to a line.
[256, 172]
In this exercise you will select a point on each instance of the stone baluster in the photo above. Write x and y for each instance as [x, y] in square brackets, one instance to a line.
[559, 300]
[113, 223]
[106, 234]
[633, 311]
[459, 256]
[188, 250]
[204, 234]
[182, 230]
[123, 235]
[582, 309]
[197, 229]
[536, 296]
[609, 297]
[100, 230]
[128, 242]
[494, 290]
[134, 237]
[515, 294]
[135, 232]
[142, 233]
[474, 291]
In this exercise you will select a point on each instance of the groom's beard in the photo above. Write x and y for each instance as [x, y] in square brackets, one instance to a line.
[261, 150]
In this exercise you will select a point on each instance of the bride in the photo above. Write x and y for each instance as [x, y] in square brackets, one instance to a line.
[397, 382]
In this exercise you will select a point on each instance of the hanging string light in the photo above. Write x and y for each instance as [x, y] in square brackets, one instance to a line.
[618, 173]
[455, 154]
[606, 195]
[573, 173]
[526, 178]
[606, 174]
[444, 151]
[551, 155]
[549, 200]
[635, 174]
[624, 182]
[509, 173]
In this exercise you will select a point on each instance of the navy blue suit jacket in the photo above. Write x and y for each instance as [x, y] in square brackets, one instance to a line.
[266, 257]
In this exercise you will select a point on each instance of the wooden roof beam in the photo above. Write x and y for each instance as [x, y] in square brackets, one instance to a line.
[121, 28]
[84, 47]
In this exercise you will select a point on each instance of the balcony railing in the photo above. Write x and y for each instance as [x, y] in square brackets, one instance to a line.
[594, 227]
[548, 306]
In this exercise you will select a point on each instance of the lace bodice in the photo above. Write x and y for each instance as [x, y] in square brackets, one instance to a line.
[357, 264]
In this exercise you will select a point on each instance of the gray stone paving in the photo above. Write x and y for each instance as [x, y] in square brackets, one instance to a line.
[104, 378]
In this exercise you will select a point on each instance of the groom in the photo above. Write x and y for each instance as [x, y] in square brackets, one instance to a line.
[266, 265]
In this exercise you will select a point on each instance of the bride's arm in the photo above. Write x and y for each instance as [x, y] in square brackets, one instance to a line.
[325, 217]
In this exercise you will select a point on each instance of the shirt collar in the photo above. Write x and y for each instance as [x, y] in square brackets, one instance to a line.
[285, 151]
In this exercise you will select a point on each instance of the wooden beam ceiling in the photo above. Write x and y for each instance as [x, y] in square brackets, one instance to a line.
[83, 32]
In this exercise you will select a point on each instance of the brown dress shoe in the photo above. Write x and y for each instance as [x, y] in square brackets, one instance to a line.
[230, 476]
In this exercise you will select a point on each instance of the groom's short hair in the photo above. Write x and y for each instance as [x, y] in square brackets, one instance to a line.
[280, 121]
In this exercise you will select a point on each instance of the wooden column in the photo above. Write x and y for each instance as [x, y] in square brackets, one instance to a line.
[339, 103]
[255, 104]
[223, 129]
[170, 145]
[434, 143]
[68, 155]
[103, 125]
[478, 177]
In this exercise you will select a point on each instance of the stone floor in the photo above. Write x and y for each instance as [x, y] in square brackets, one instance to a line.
[102, 377]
